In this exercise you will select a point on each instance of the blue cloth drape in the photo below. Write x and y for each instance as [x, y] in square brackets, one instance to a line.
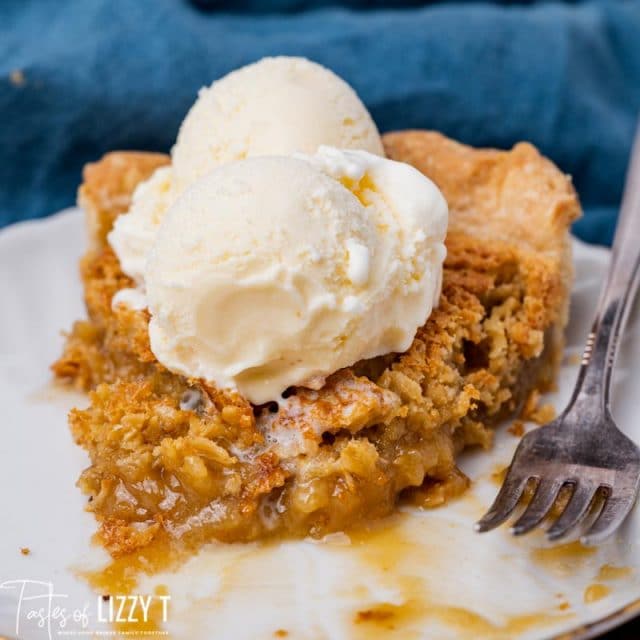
[81, 77]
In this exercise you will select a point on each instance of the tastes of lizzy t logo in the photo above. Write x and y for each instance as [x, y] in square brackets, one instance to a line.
[41, 612]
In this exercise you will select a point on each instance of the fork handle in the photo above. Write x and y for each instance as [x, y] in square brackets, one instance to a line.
[594, 378]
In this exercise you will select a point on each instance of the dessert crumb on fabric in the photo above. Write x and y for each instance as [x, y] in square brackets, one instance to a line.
[17, 78]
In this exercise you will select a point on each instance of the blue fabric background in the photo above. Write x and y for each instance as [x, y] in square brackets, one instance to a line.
[81, 77]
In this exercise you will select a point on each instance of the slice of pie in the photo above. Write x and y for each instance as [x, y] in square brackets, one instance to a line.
[177, 459]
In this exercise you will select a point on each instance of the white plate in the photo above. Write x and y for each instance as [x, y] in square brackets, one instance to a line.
[427, 571]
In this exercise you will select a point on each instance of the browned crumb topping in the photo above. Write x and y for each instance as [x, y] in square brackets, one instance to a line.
[543, 414]
[533, 411]
[163, 465]
[516, 428]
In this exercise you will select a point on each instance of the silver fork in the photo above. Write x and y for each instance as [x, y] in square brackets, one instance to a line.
[583, 450]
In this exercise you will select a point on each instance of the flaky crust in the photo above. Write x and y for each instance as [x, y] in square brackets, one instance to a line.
[107, 186]
[517, 196]
[331, 458]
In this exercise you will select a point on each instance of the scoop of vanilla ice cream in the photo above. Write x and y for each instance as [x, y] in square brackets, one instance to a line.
[275, 106]
[133, 233]
[277, 271]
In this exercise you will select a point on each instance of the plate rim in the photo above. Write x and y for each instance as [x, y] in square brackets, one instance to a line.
[607, 623]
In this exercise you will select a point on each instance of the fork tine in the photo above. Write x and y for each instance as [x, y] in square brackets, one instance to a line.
[576, 509]
[615, 510]
[504, 504]
[544, 498]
